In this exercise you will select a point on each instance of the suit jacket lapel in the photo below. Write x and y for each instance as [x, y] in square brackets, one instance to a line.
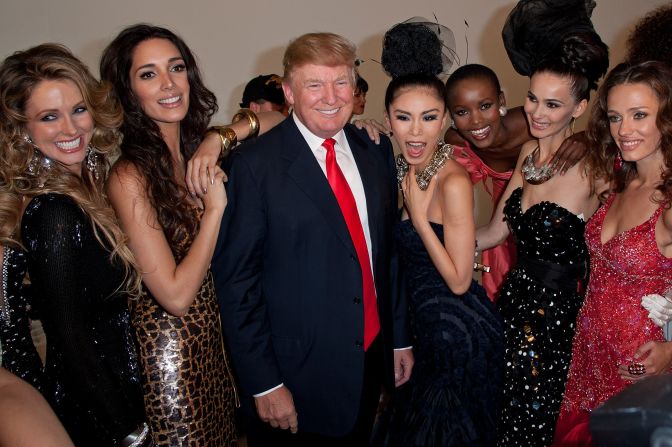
[309, 177]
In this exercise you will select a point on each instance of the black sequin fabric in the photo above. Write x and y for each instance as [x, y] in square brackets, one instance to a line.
[539, 318]
[453, 395]
[91, 374]
[17, 351]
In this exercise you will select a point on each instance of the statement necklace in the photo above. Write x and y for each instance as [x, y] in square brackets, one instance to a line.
[537, 175]
[443, 153]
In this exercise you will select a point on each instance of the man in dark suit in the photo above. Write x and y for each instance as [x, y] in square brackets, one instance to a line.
[305, 268]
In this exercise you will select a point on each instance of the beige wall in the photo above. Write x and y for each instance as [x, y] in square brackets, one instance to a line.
[237, 40]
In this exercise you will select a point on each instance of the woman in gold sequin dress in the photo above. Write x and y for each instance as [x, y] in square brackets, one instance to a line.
[189, 392]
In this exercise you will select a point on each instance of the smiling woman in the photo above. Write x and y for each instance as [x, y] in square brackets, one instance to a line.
[189, 394]
[58, 126]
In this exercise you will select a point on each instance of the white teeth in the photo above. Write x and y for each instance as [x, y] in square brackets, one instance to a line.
[480, 131]
[418, 145]
[629, 143]
[172, 100]
[329, 112]
[68, 145]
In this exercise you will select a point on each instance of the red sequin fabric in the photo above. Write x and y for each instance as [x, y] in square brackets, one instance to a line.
[612, 324]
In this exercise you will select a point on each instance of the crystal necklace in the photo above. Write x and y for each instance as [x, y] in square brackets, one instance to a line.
[443, 153]
[537, 175]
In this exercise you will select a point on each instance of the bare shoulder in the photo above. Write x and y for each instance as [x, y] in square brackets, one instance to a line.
[453, 178]
[125, 177]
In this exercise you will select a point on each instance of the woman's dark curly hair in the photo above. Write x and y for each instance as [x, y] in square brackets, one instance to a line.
[651, 39]
[142, 143]
[603, 148]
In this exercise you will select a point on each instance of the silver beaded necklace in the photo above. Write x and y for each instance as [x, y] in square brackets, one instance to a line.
[537, 175]
[443, 153]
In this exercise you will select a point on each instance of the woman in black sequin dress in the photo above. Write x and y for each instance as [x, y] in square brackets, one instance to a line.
[57, 128]
[546, 214]
[452, 396]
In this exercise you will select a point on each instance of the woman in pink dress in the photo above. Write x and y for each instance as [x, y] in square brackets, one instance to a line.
[630, 244]
[487, 138]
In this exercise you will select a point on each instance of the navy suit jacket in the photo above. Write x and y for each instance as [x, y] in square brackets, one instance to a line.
[289, 282]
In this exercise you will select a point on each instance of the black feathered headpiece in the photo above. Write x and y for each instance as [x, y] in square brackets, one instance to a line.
[418, 46]
[535, 29]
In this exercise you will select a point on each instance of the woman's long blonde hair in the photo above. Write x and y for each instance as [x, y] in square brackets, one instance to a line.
[20, 73]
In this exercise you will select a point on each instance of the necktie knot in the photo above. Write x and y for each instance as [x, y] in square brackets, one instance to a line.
[328, 144]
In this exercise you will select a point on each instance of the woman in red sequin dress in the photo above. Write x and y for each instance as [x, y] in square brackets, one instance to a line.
[630, 244]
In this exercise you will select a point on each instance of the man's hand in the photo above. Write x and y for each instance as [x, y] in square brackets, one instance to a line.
[403, 365]
[277, 409]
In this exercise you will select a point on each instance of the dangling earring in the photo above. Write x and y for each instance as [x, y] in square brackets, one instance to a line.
[92, 162]
[618, 161]
[28, 140]
[571, 124]
[452, 124]
[503, 111]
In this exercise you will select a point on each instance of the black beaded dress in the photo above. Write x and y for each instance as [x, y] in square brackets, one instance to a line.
[17, 351]
[91, 373]
[539, 302]
[453, 395]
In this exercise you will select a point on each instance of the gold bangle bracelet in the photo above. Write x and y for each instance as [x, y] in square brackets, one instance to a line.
[252, 120]
[228, 138]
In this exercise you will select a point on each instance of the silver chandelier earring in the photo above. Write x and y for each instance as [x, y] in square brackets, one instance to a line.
[92, 162]
[503, 111]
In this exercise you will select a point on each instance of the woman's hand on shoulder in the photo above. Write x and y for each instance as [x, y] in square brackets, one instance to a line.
[571, 151]
[201, 165]
[373, 128]
[215, 199]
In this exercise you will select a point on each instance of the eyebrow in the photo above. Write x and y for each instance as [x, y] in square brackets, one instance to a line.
[172, 59]
[631, 109]
[42, 112]
[424, 112]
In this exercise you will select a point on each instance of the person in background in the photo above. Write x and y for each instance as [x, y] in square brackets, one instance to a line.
[359, 103]
[264, 94]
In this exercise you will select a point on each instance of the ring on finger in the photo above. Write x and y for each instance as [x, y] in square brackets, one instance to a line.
[636, 369]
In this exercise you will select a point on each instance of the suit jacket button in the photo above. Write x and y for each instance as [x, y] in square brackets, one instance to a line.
[357, 300]
[358, 343]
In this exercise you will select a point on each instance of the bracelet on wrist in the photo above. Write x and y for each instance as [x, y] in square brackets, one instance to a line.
[137, 437]
[252, 120]
[227, 137]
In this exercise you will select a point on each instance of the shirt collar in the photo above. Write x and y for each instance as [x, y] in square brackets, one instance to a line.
[315, 141]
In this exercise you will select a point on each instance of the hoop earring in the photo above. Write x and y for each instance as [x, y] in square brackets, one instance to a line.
[503, 111]
[92, 161]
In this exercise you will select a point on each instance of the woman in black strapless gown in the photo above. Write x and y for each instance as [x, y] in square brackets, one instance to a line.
[453, 395]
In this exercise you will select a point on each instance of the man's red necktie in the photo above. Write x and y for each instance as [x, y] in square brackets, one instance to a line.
[346, 201]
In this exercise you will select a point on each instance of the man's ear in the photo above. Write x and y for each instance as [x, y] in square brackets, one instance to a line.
[287, 90]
